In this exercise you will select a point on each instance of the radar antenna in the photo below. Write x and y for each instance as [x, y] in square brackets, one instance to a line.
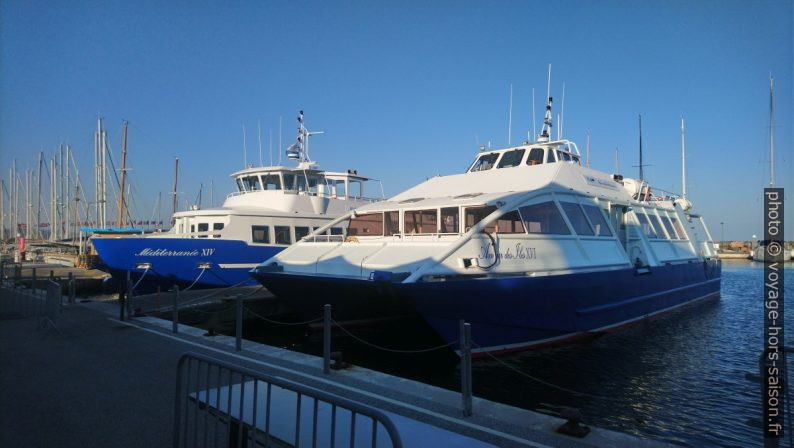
[545, 131]
[300, 149]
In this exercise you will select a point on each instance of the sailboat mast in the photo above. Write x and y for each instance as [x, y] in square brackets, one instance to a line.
[123, 173]
[38, 199]
[173, 203]
[683, 160]
[641, 165]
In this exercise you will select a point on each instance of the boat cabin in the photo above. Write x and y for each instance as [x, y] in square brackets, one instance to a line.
[301, 180]
[534, 155]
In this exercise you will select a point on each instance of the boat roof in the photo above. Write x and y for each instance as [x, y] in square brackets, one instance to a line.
[307, 168]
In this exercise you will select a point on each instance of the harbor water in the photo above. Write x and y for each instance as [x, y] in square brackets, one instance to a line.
[681, 377]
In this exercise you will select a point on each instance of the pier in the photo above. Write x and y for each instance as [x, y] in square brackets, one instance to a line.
[101, 381]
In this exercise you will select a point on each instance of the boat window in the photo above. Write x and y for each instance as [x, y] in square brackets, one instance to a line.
[485, 162]
[300, 232]
[575, 159]
[550, 156]
[646, 225]
[420, 221]
[577, 218]
[251, 183]
[669, 228]
[679, 228]
[301, 186]
[272, 182]
[203, 227]
[510, 222]
[192, 228]
[282, 235]
[597, 220]
[260, 234]
[477, 214]
[239, 185]
[370, 224]
[313, 181]
[356, 189]
[336, 188]
[217, 226]
[449, 220]
[535, 156]
[289, 181]
[656, 224]
[337, 231]
[392, 222]
[544, 218]
[511, 158]
[567, 156]
[560, 157]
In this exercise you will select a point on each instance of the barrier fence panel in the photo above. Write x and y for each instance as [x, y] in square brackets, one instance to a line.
[221, 404]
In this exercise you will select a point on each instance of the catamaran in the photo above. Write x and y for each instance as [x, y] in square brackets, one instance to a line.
[272, 207]
[528, 245]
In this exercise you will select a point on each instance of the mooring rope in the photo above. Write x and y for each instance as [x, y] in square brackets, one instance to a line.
[145, 271]
[196, 280]
[282, 323]
[545, 383]
[392, 350]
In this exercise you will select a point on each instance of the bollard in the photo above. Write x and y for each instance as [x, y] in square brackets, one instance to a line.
[465, 367]
[129, 295]
[72, 287]
[175, 311]
[327, 338]
[238, 330]
[33, 281]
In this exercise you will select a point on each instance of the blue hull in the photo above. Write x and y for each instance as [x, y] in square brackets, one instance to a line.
[177, 261]
[516, 313]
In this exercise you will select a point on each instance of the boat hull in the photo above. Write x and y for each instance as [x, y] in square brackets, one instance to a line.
[196, 262]
[511, 313]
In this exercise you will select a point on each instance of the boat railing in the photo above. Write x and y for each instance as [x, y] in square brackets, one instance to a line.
[324, 238]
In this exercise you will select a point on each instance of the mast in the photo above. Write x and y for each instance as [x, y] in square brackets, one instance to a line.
[53, 192]
[28, 201]
[76, 204]
[545, 131]
[38, 200]
[771, 132]
[617, 161]
[562, 114]
[123, 173]
[534, 130]
[67, 196]
[510, 116]
[173, 203]
[683, 160]
[259, 135]
[642, 177]
[2, 213]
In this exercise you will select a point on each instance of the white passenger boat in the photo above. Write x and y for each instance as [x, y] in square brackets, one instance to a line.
[273, 207]
[527, 245]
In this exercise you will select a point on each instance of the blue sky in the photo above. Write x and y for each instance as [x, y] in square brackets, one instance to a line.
[403, 90]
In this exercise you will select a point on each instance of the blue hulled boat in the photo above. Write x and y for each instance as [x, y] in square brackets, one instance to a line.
[528, 245]
[273, 207]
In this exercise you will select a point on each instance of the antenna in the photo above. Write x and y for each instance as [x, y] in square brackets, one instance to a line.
[617, 161]
[545, 131]
[683, 160]
[562, 113]
[510, 116]
[270, 141]
[771, 132]
[279, 140]
[259, 134]
[245, 151]
[534, 131]
[588, 148]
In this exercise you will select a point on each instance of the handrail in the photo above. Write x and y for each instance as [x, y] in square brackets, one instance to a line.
[226, 370]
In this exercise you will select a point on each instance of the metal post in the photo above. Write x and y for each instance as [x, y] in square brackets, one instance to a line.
[17, 274]
[33, 280]
[128, 287]
[175, 311]
[238, 332]
[465, 367]
[2, 262]
[72, 287]
[326, 338]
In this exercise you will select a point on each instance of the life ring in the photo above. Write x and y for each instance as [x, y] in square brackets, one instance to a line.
[351, 239]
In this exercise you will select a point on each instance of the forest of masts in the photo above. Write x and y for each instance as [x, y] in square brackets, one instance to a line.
[49, 202]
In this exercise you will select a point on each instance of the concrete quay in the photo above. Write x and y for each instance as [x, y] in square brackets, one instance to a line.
[96, 381]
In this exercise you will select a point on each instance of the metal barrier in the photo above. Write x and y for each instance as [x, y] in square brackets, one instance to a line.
[221, 404]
